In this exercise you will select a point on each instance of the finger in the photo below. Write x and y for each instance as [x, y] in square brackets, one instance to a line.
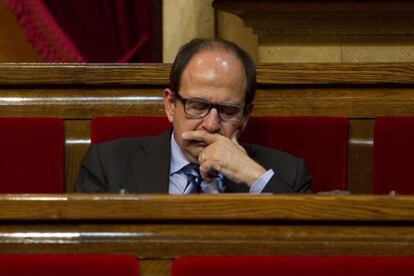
[200, 135]
[208, 171]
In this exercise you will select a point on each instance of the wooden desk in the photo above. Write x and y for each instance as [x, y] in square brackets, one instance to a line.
[162, 226]
[158, 228]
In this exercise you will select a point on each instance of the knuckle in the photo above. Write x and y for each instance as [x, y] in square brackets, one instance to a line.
[215, 158]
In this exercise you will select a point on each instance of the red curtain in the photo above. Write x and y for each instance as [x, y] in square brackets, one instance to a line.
[87, 30]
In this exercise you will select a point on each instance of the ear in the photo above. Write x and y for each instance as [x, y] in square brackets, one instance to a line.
[169, 104]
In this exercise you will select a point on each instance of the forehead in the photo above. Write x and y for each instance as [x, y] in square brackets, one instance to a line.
[216, 73]
[215, 60]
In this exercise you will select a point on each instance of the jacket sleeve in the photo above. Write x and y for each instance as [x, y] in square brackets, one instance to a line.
[91, 178]
[301, 183]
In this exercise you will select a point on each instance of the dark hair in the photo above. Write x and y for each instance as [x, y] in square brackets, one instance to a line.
[195, 46]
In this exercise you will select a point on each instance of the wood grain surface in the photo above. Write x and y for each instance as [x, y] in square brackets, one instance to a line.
[335, 20]
[162, 227]
[158, 228]
[223, 207]
[157, 73]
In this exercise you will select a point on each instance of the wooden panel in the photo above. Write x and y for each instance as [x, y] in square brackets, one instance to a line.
[155, 267]
[161, 241]
[84, 73]
[86, 103]
[210, 208]
[79, 103]
[159, 228]
[272, 20]
[360, 155]
[157, 74]
[164, 227]
[334, 73]
[77, 133]
[356, 102]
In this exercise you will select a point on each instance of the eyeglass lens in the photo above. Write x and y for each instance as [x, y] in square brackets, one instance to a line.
[201, 108]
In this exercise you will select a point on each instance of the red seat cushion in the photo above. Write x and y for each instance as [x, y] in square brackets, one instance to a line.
[32, 155]
[393, 153]
[321, 141]
[293, 265]
[68, 265]
[110, 128]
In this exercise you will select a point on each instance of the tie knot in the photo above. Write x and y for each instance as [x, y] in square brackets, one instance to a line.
[193, 175]
[190, 169]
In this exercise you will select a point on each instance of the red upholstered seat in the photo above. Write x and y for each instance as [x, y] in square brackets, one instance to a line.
[393, 152]
[321, 141]
[32, 155]
[293, 265]
[68, 265]
[110, 128]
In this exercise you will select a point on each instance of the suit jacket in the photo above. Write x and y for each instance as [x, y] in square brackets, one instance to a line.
[142, 165]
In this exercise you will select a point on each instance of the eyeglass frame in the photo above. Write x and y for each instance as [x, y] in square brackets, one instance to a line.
[218, 107]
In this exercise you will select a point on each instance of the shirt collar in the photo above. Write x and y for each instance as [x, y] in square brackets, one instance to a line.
[178, 160]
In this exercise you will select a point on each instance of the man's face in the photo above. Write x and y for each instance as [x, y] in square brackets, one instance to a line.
[215, 76]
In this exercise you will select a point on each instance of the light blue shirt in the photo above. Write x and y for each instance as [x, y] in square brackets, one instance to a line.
[178, 181]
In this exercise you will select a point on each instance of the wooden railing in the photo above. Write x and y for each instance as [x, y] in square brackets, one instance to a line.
[79, 92]
[159, 228]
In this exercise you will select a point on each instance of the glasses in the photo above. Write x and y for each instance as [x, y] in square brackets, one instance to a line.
[198, 108]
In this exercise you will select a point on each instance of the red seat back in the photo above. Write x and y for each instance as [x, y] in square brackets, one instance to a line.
[32, 155]
[110, 128]
[293, 265]
[321, 141]
[393, 153]
[68, 265]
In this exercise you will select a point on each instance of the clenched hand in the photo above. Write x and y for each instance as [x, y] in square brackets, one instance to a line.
[224, 155]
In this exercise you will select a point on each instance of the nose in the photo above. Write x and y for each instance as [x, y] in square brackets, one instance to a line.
[211, 122]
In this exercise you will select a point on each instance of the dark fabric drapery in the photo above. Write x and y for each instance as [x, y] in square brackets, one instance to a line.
[87, 30]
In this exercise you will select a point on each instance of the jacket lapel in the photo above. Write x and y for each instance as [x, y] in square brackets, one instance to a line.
[153, 161]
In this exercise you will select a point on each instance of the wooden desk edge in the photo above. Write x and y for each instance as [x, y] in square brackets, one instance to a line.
[157, 73]
[235, 207]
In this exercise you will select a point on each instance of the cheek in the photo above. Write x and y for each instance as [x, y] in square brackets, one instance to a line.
[179, 122]
[182, 123]
[188, 124]
[228, 129]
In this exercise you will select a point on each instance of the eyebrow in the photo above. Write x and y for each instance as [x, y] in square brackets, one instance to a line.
[201, 99]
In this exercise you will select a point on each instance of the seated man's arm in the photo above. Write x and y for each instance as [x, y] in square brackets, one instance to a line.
[299, 182]
[91, 178]
[249, 165]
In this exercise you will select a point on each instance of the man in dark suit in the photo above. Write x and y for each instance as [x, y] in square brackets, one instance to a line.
[208, 102]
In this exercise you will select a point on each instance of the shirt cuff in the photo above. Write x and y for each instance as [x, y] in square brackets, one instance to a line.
[261, 182]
